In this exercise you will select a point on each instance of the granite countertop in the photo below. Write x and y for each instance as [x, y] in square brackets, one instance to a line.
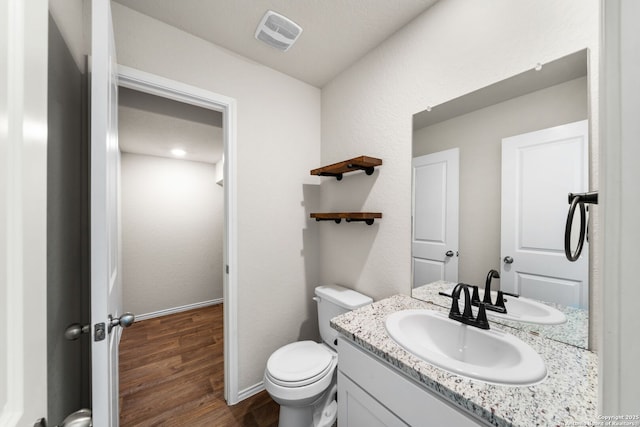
[575, 331]
[567, 396]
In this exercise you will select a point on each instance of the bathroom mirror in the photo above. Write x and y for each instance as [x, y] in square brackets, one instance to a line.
[485, 197]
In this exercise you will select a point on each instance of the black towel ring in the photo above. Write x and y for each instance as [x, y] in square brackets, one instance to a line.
[577, 200]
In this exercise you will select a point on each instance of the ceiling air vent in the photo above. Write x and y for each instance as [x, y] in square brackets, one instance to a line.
[278, 31]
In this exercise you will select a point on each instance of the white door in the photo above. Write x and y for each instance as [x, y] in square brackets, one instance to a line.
[539, 170]
[434, 239]
[23, 212]
[106, 292]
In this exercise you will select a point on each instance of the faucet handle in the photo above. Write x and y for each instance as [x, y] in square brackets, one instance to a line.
[475, 297]
[487, 297]
[500, 300]
[455, 295]
[481, 319]
[467, 313]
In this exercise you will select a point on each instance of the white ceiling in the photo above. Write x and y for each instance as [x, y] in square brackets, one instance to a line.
[151, 125]
[336, 33]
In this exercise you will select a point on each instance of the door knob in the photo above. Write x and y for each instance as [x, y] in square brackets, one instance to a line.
[74, 331]
[449, 254]
[125, 321]
[508, 260]
[81, 418]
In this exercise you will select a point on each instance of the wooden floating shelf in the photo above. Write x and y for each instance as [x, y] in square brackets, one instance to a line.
[364, 163]
[367, 217]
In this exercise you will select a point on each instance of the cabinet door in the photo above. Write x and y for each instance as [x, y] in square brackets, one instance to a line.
[357, 409]
[389, 393]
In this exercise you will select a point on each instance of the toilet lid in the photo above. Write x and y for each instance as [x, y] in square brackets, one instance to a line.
[300, 363]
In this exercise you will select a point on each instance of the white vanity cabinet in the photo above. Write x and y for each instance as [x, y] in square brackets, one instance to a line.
[372, 394]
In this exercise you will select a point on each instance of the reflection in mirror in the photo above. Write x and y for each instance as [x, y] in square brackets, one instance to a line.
[491, 174]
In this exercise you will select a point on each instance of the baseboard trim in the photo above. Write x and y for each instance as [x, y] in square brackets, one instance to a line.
[250, 391]
[182, 308]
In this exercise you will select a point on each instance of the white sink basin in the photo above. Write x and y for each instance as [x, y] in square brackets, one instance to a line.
[487, 355]
[522, 309]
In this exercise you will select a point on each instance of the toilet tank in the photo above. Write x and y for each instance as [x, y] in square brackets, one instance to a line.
[333, 301]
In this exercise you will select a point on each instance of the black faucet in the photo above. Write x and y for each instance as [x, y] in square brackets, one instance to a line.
[480, 321]
[499, 305]
[489, 305]
[487, 285]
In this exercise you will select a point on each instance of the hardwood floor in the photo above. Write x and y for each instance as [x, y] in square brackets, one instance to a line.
[171, 374]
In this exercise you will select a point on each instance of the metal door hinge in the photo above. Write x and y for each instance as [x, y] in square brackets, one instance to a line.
[227, 268]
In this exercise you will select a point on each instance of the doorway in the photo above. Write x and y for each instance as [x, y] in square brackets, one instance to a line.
[147, 83]
[172, 204]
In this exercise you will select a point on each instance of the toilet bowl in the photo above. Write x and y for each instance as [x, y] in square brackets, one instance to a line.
[301, 376]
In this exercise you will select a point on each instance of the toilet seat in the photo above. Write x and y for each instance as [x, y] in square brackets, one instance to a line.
[300, 363]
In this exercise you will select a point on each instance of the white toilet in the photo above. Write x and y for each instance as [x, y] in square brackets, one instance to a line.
[301, 376]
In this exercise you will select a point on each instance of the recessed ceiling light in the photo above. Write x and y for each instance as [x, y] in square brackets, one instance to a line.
[178, 152]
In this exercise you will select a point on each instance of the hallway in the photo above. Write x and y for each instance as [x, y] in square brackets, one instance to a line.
[171, 374]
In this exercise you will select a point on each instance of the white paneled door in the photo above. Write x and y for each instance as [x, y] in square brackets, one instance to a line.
[434, 235]
[539, 170]
[106, 292]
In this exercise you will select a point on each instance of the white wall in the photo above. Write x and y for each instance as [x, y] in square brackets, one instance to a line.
[71, 17]
[479, 136]
[278, 143]
[455, 47]
[172, 233]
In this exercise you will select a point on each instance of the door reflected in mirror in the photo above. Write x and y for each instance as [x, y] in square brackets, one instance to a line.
[491, 174]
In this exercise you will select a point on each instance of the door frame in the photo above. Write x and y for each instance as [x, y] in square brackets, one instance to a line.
[619, 373]
[142, 81]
